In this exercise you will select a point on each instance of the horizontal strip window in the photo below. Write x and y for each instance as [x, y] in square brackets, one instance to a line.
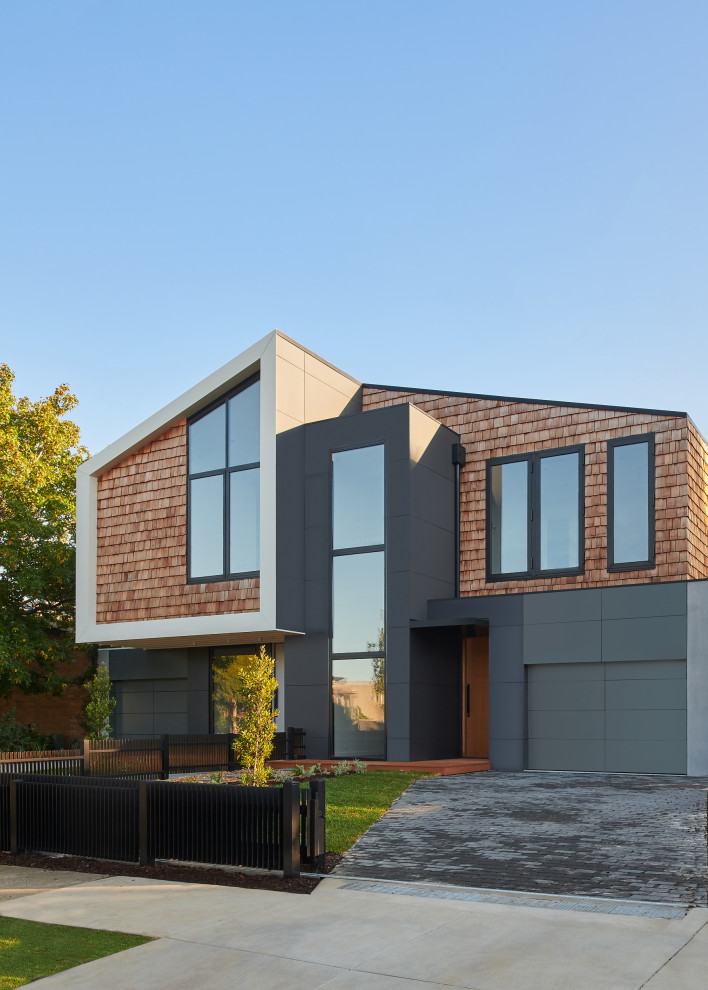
[536, 514]
[631, 483]
[223, 508]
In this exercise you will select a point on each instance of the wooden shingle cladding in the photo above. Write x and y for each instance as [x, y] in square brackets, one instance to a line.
[142, 541]
[697, 465]
[490, 427]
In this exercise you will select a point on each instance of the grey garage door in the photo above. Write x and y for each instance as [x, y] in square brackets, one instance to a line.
[619, 717]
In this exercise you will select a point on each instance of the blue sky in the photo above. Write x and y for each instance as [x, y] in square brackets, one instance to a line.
[507, 198]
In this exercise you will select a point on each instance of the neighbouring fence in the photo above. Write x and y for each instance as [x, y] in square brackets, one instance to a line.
[147, 759]
[136, 821]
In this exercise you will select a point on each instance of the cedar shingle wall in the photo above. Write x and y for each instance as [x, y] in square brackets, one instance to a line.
[494, 428]
[697, 504]
[142, 541]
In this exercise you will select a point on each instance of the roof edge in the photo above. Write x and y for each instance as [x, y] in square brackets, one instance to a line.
[672, 413]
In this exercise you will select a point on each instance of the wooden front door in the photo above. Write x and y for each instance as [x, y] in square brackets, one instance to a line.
[475, 695]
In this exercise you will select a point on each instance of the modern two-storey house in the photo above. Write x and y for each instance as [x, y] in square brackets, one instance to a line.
[438, 575]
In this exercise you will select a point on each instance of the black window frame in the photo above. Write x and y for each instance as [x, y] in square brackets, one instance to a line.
[348, 552]
[225, 473]
[650, 562]
[533, 542]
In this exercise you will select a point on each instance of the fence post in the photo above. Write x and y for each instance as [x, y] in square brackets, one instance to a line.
[290, 743]
[13, 817]
[165, 772]
[290, 833]
[144, 857]
[231, 758]
[316, 826]
[86, 768]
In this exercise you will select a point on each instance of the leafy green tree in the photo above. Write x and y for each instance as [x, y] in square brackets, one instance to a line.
[39, 454]
[254, 742]
[98, 709]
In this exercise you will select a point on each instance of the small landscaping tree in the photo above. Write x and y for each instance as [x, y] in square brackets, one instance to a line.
[254, 742]
[99, 708]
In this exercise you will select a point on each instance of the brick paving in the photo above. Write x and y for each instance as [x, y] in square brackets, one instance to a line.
[601, 835]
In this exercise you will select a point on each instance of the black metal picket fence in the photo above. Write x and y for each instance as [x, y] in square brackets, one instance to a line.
[139, 821]
[147, 759]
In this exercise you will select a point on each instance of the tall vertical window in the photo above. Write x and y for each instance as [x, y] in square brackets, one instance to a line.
[358, 644]
[535, 514]
[224, 488]
[630, 503]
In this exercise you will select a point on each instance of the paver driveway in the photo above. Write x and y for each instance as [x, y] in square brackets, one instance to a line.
[606, 835]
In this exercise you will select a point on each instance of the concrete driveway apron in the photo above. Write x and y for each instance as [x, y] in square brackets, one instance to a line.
[599, 835]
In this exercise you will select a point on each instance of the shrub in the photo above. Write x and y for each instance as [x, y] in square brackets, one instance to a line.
[96, 719]
[256, 726]
[18, 738]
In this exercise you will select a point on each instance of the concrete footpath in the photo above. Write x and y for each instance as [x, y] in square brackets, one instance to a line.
[348, 939]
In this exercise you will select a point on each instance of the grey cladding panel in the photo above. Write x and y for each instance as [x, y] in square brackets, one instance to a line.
[566, 754]
[655, 638]
[507, 710]
[316, 499]
[658, 670]
[507, 754]
[644, 600]
[500, 610]
[648, 695]
[566, 696]
[132, 703]
[567, 725]
[545, 673]
[432, 551]
[134, 725]
[170, 701]
[563, 642]
[563, 606]
[659, 725]
[432, 494]
[506, 659]
[170, 723]
[148, 664]
[626, 756]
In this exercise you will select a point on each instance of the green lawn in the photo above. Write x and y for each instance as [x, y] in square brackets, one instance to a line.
[30, 950]
[355, 802]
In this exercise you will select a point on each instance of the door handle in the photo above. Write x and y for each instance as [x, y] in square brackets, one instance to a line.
[467, 699]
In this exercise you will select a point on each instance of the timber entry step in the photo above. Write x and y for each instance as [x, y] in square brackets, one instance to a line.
[445, 768]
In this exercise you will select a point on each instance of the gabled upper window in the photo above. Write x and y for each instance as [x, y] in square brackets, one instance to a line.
[223, 515]
[630, 503]
[535, 514]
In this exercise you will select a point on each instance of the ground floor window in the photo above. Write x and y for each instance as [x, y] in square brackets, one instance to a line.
[227, 665]
[358, 696]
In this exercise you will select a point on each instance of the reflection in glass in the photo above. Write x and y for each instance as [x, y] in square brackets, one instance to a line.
[559, 511]
[358, 602]
[207, 442]
[359, 712]
[244, 494]
[358, 497]
[244, 426]
[631, 502]
[509, 517]
[227, 699]
[206, 527]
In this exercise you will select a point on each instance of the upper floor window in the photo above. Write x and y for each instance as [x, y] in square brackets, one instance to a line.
[223, 515]
[630, 503]
[535, 514]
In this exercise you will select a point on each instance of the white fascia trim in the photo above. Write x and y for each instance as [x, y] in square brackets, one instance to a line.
[188, 627]
[260, 355]
[189, 402]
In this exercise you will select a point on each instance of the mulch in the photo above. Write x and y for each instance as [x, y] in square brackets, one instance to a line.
[173, 871]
